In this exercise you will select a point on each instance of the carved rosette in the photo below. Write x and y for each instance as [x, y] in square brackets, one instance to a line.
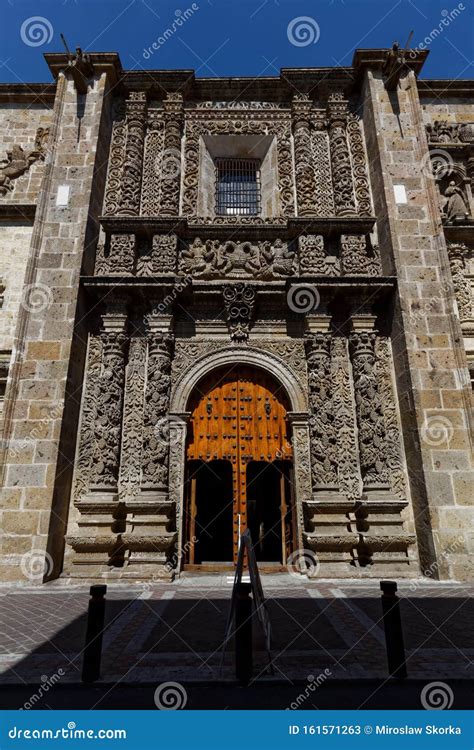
[369, 412]
[391, 422]
[86, 445]
[171, 159]
[457, 253]
[239, 301]
[133, 165]
[133, 413]
[108, 415]
[340, 158]
[113, 190]
[154, 143]
[359, 166]
[357, 258]
[342, 406]
[304, 169]
[156, 434]
[321, 420]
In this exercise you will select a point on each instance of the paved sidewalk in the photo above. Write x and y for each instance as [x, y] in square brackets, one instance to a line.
[174, 631]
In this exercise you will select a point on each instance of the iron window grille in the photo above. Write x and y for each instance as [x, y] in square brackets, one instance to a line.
[237, 187]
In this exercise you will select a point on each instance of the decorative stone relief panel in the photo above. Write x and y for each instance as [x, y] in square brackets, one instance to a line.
[86, 447]
[154, 145]
[239, 302]
[133, 414]
[458, 254]
[215, 259]
[348, 471]
[321, 420]
[19, 161]
[337, 114]
[160, 257]
[359, 166]
[113, 190]
[313, 258]
[304, 166]
[450, 132]
[358, 257]
[134, 145]
[323, 197]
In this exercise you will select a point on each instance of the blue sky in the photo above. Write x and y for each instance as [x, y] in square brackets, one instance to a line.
[233, 37]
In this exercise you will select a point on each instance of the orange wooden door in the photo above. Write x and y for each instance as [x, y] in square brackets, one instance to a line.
[239, 416]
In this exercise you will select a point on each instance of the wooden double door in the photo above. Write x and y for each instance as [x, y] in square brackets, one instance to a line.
[239, 468]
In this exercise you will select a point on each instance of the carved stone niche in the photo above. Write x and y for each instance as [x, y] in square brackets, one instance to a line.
[238, 259]
[19, 161]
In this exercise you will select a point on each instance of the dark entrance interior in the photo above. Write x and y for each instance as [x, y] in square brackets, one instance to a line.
[269, 510]
[209, 512]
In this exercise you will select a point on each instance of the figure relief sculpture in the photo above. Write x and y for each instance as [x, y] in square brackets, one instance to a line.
[455, 206]
[19, 161]
[213, 259]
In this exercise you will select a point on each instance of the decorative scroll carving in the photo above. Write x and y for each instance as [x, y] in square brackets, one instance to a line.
[457, 253]
[304, 169]
[132, 430]
[133, 166]
[239, 301]
[19, 161]
[154, 143]
[344, 421]
[450, 132]
[113, 191]
[302, 464]
[359, 167]
[313, 258]
[107, 426]
[370, 422]
[392, 428]
[357, 257]
[161, 258]
[324, 197]
[340, 158]
[171, 165]
[88, 418]
[121, 257]
[156, 422]
[321, 420]
[213, 259]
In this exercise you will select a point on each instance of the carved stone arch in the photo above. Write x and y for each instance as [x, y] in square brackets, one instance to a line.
[229, 355]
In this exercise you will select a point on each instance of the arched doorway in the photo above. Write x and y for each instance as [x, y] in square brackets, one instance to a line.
[238, 468]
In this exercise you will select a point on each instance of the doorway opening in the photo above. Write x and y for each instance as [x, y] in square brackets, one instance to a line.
[269, 510]
[209, 512]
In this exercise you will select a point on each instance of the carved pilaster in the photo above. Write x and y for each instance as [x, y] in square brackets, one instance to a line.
[133, 166]
[357, 258]
[359, 166]
[324, 198]
[88, 418]
[132, 428]
[171, 158]
[304, 168]
[113, 190]
[348, 473]
[160, 258]
[340, 158]
[369, 412]
[321, 420]
[392, 427]
[457, 253]
[302, 468]
[152, 163]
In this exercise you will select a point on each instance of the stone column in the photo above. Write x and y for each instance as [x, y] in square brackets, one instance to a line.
[132, 426]
[171, 158]
[304, 168]
[178, 431]
[133, 166]
[348, 470]
[301, 468]
[341, 168]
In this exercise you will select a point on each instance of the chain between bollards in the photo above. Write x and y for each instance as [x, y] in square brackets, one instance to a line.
[95, 627]
[393, 630]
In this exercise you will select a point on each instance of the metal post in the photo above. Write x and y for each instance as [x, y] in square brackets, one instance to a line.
[393, 630]
[95, 627]
[243, 633]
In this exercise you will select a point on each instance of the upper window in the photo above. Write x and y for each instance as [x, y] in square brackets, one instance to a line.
[237, 187]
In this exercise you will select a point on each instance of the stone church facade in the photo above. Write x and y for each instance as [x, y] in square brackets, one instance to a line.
[216, 285]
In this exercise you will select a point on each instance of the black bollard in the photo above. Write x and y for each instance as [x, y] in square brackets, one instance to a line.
[243, 633]
[95, 627]
[393, 630]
